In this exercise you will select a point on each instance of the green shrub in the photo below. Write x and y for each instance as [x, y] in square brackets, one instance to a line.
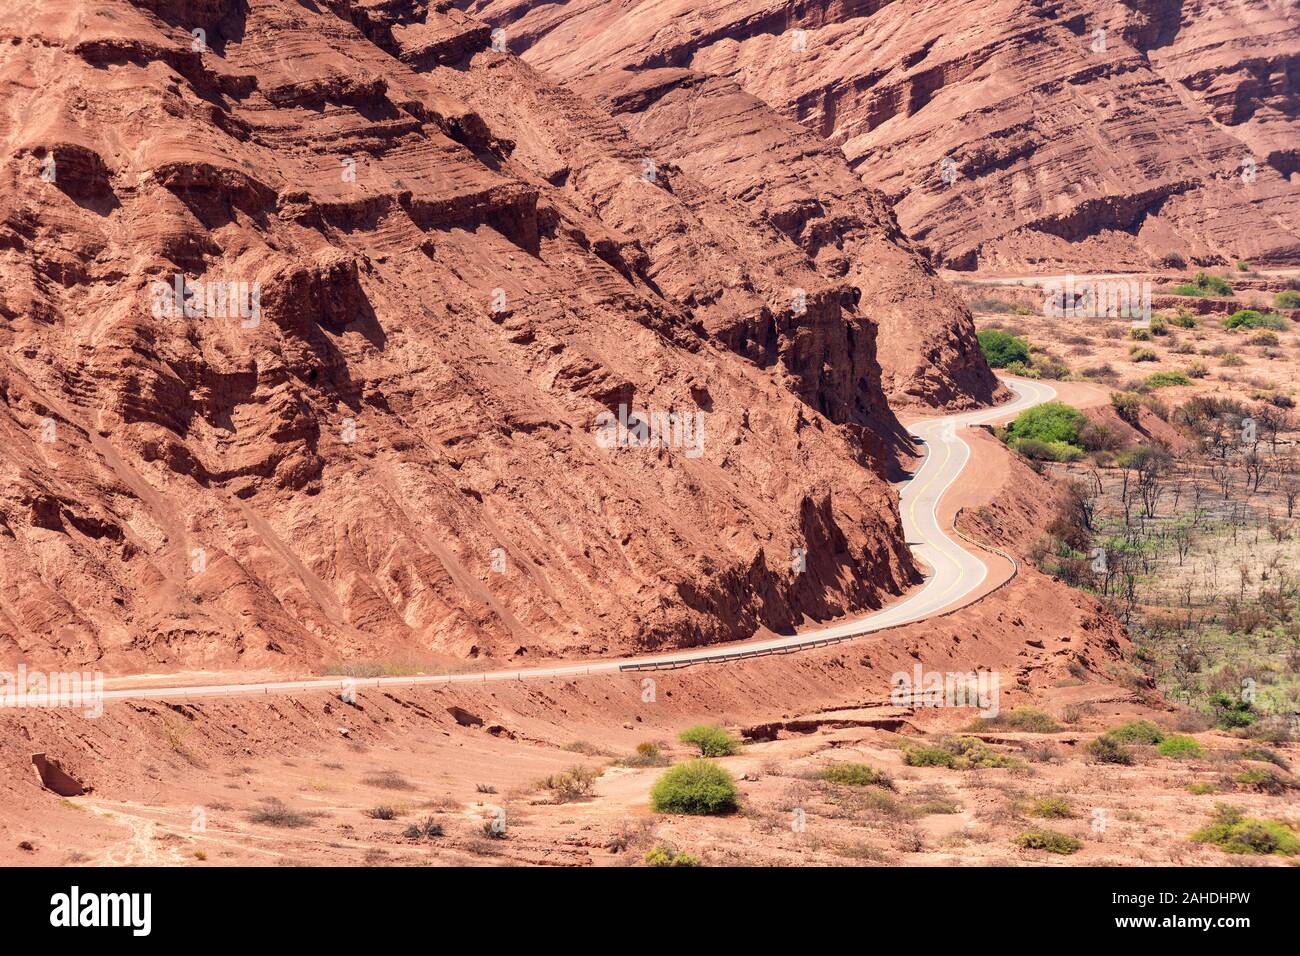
[1049, 422]
[1265, 780]
[928, 755]
[958, 753]
[1167, 379]
[1184, 320]
[1001, 348]
[1179, 747]
[1030, 720]
[1231, 360]
[695, 787]
[972, 753]
[1106, 749]
[1201, 789]
[1051, 808]
[1049, 840]
[713, 741]
[663, 856]
[1233, 832]
[1264, 755]
[1137, 732]
[1127, 405]
[1139, 334]
[882, 802]
[856, 775]
[1046, 451]
[1139, 354]
[1251, 319]
[1197, 370]
[1232, 719]
[1046, 366]
[1263, 337]
[1231, 712]
[1048, 433]
[1203, 284]
[1289, 299]
[647, 755]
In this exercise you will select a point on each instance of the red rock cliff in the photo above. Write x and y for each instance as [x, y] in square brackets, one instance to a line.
[309, 313]
[1009, 134]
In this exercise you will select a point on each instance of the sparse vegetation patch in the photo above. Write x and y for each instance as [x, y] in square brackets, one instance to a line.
[663, 856]
[696, 787]
[1049, 840]
[1234, 832]
[712, 741]
[957, 753]
[856, 775]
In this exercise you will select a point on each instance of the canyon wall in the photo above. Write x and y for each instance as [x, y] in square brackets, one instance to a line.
[1011, 135]
[314, 319]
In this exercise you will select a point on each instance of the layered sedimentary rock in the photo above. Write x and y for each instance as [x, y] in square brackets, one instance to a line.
[318, 322]
[1009, 135]
[800, 185]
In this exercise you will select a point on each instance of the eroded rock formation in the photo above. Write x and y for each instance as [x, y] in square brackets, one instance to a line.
[1009, 135]
[309, 312]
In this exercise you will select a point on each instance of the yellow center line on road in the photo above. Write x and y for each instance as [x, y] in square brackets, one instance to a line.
[947, 448]
[1034, 392]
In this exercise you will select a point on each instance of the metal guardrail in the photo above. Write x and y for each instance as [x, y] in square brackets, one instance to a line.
[737, 655]
[1015, 564]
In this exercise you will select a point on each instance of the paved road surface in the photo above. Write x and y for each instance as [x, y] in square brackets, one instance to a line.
[955, 574]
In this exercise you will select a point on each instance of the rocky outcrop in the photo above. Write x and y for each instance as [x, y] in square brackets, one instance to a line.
[798, 184]
[311, 328]
[789, 177]
[1010, 136]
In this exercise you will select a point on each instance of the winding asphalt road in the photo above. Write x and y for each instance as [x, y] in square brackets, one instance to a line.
[955, 575]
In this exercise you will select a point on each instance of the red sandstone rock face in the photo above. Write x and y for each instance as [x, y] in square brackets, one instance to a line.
[797, 183]
[1008, 134]
[413, 273]
[739, 146]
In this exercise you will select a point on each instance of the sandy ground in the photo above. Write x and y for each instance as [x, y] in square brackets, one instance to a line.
[465, 778]
[1240, 364]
